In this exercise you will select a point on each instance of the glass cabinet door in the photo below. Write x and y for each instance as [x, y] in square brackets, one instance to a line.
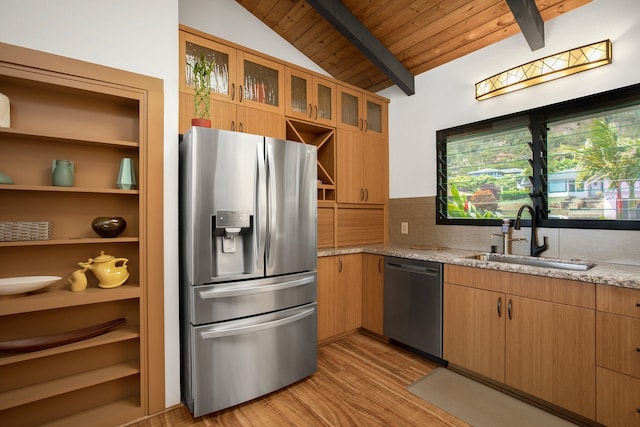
[374, 117]
[299, 101]
[223, 57]
[262, 81]
[377, 115]
[220, 74]
[324, 101]
[349, 113]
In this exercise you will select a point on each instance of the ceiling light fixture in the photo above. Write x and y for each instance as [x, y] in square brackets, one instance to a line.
[545, 69]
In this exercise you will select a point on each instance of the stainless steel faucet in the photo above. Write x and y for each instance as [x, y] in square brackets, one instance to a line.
[535, 249]
[506, 237]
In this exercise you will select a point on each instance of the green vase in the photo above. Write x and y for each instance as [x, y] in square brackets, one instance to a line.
[126, 175]
[62, 173]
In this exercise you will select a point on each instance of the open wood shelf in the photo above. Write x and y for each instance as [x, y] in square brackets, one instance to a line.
[66, 298]
[116, 335]
[15, 133]
[67, 189]
[67, 384]
[70, 241]
[111, 414]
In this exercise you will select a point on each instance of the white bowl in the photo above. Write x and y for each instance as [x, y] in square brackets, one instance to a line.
[19, 285]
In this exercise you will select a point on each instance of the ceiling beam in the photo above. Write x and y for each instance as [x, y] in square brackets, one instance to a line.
[529, 20]
[354, 31]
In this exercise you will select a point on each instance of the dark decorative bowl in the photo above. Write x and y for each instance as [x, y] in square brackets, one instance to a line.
[109, 226]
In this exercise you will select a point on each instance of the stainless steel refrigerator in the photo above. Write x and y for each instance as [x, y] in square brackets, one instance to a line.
[248, 256]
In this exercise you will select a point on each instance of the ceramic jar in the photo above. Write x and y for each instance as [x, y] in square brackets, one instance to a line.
[62, 173]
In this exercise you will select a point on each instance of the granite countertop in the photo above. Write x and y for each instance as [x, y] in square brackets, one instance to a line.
[622, 275]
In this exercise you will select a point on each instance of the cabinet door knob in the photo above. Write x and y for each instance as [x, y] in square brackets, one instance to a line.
[499, 306]
[240, 93]
[316, 112]
[233, 91]
[366, 194]
[380, 269]
[310, 111]
[362, 194]
[366, 126]
[509, 309]
[233, 125]
[339, 265]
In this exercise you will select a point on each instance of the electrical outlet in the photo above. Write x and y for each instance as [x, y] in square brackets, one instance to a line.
[404, 227]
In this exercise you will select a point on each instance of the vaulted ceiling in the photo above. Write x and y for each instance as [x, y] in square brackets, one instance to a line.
[418, 34]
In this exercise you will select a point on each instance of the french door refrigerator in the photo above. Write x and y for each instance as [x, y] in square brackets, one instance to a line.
[248, 257]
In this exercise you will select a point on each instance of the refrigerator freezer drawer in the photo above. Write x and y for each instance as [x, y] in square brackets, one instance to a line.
[227, 301]
[243, 359]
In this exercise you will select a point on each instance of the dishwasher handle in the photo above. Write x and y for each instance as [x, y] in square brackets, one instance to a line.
[413, 268]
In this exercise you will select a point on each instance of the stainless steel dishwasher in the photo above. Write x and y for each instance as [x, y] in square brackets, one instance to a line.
[413, 303]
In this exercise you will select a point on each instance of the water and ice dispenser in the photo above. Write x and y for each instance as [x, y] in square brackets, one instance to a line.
[232, 243]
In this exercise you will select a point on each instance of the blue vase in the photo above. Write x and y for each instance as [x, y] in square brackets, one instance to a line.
[62, 173]
[126, 175]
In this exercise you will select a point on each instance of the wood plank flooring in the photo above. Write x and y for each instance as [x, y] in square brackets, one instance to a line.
[361, 381]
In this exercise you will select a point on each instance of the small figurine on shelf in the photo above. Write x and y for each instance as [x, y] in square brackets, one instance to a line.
[78, 280]
[5, 179]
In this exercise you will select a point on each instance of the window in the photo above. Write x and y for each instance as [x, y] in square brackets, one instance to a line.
[577, 163]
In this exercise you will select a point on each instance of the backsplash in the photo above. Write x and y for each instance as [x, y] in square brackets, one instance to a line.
[615, 246]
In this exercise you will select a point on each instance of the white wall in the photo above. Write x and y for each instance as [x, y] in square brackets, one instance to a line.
[445, 96]
[229, 21]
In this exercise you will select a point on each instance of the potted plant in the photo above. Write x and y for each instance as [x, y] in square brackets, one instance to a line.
[202, 69]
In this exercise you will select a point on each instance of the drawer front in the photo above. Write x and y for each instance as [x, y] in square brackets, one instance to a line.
[618, 399]
[618, 343]
[236, 361]
[616, 300]
[226, 301]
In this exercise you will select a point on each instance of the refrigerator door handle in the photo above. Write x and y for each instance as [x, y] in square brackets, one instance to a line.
[225, 293]
[261, 208]
[271, 203]
[212, 334]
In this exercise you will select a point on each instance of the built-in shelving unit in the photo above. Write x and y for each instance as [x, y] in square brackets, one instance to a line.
[323, 137]
[93, 116]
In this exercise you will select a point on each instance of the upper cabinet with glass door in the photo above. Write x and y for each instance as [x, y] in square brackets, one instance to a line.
[362, 111]
[238, 77]
[310, 97]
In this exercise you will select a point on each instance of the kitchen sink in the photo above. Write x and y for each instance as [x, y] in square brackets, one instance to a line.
[534, 262]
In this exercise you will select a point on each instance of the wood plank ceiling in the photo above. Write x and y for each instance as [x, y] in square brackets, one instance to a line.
[421, 34]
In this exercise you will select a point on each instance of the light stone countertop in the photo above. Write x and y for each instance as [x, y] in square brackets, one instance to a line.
[622, 275]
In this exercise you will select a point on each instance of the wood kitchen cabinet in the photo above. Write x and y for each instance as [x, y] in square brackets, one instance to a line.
[94, 116]
[361, 168]
[474, 330]
[361, 111]
[618, 356]
[339, 295]
[373, 293]
[310, 97]
[531, 333]
[247, 90]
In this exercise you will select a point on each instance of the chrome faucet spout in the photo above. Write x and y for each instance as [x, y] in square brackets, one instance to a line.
[536, 249]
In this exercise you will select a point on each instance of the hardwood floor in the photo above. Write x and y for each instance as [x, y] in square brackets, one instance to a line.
[361, 381]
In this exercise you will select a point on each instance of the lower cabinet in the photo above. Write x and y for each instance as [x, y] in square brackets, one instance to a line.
[339, 295]
[373, 293]
[618, 356]
[523, 331]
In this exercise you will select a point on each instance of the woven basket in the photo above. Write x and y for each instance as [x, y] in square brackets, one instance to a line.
[14, 231]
